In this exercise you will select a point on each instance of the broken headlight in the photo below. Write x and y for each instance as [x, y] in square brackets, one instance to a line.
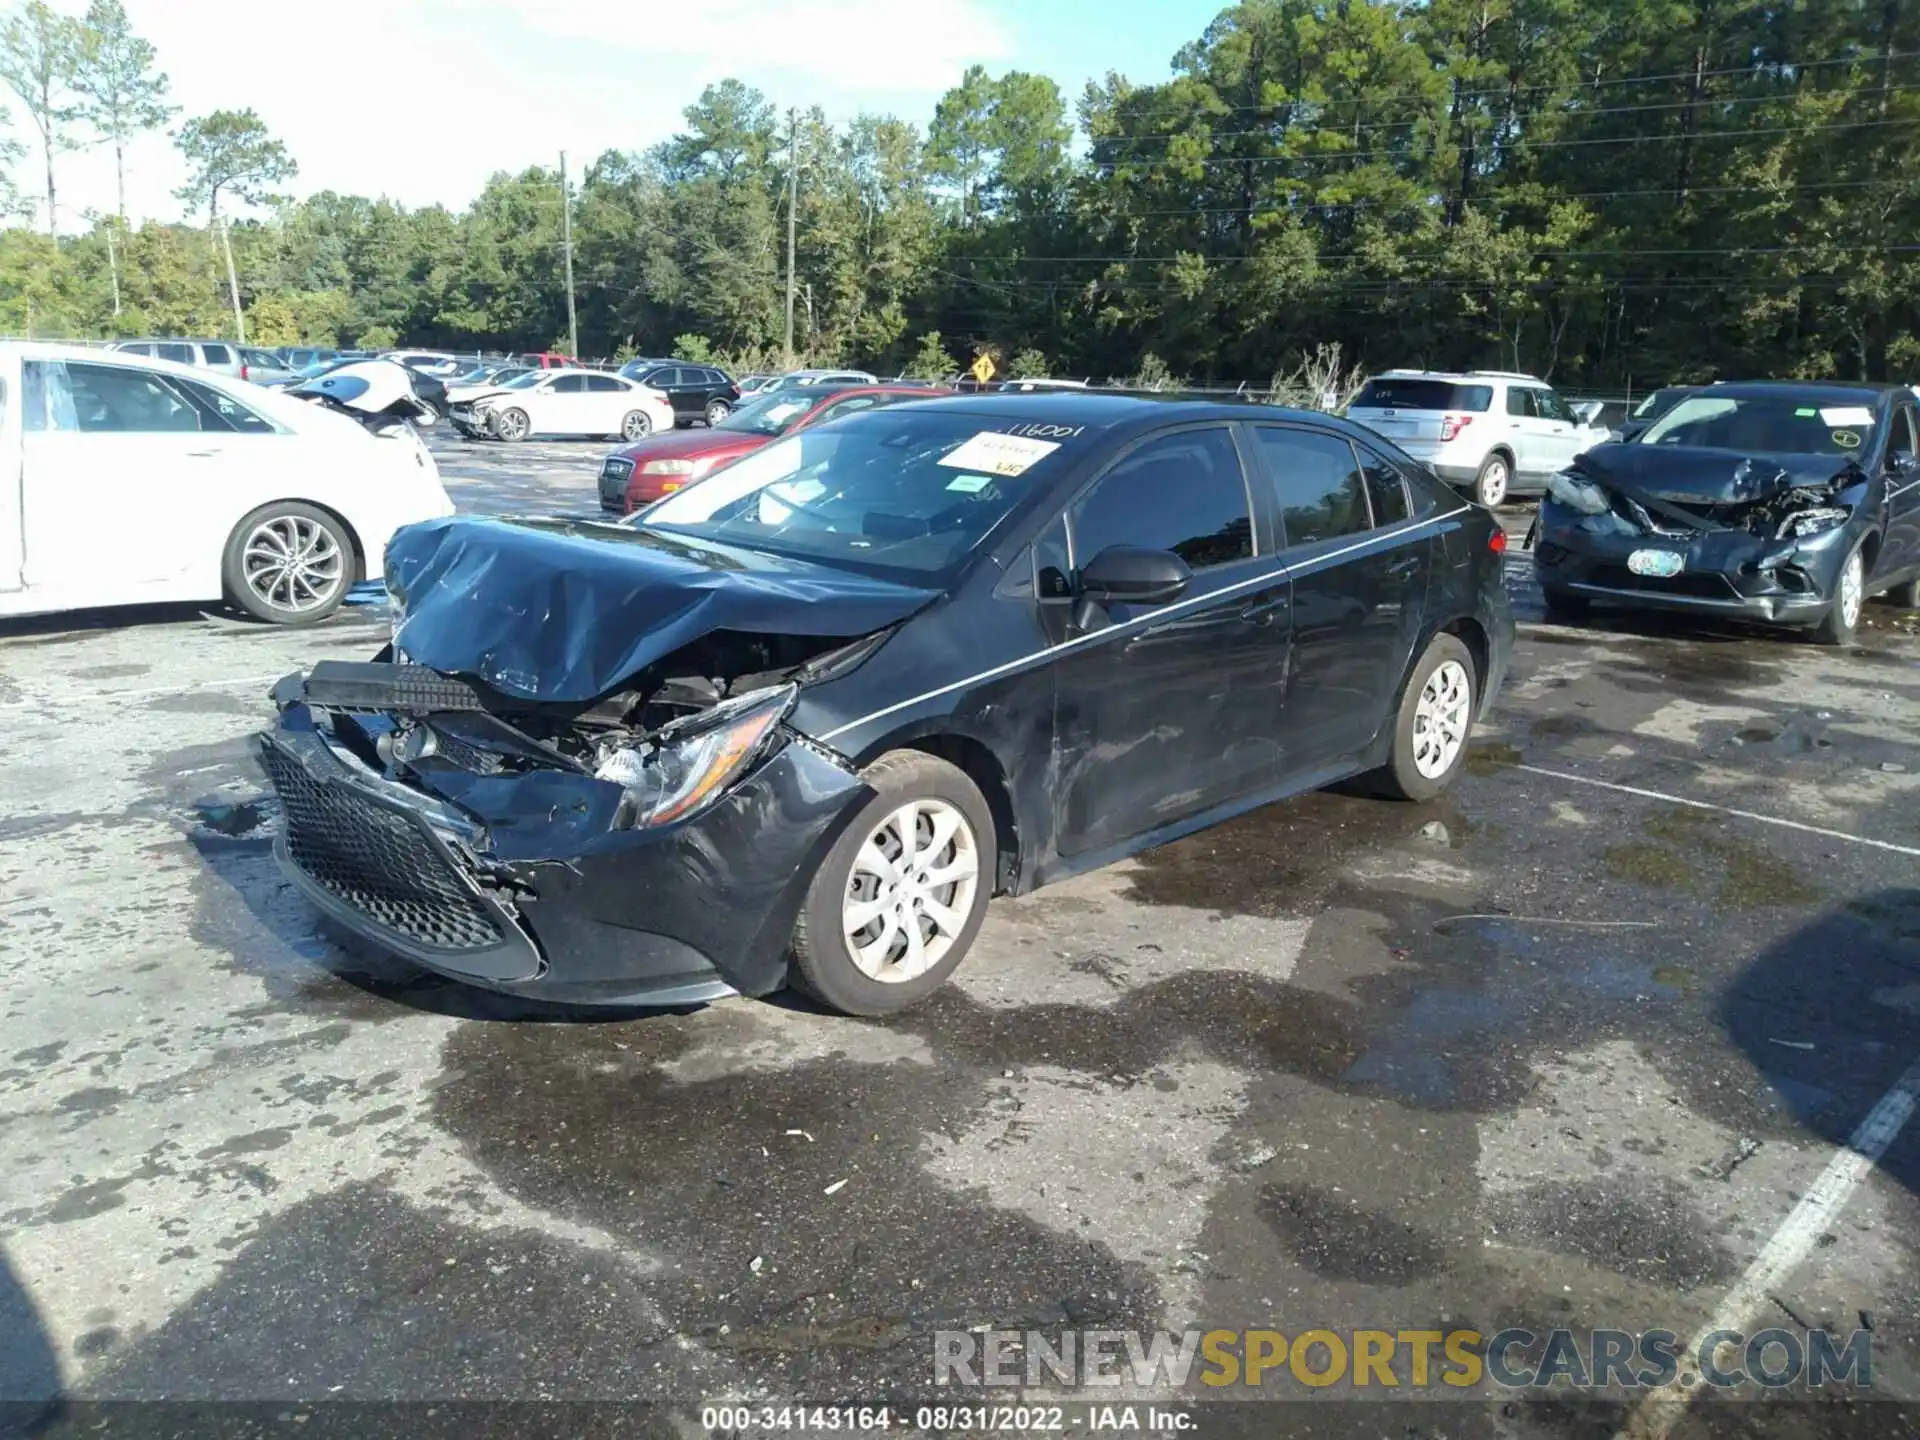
[687, 764]
[1814, 520]
[1578, 493]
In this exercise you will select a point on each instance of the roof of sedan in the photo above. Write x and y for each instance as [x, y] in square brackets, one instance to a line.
[1787, 389]
[1091, 410]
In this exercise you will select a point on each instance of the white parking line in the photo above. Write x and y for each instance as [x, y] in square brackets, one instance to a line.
[1654, 1417]
[1722, 809]
[182, 689]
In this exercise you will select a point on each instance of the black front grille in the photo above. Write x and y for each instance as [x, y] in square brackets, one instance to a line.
[1702, 585]
[378, 861]
[613, 484]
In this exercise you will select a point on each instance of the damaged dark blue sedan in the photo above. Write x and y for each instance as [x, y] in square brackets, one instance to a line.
[1784, 502]
[799, 722]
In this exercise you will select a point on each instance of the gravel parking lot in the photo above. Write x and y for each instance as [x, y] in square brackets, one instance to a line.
[1563, 1049]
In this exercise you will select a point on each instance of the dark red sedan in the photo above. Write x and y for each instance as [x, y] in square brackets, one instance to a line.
[636, 475]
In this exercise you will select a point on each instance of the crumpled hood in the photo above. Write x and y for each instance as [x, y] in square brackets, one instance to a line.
[568, 610]
[1687, 474]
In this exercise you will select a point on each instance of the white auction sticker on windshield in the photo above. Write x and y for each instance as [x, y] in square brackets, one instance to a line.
[1846, 415]
[999, 454]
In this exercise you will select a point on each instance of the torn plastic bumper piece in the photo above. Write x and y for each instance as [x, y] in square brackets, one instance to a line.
[521, 883]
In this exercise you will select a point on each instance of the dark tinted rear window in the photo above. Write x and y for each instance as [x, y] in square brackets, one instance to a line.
[1396, 394]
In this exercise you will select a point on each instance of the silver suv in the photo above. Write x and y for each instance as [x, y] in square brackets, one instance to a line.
[1498, 432]
[221, 355]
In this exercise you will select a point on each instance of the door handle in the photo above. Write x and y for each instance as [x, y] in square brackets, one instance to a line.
[204, 454]
[1403, 567]
[1266, 612]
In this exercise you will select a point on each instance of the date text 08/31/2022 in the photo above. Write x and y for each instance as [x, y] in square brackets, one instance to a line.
[743, 1420]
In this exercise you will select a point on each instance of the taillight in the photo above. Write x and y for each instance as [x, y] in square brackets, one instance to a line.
[243, 369]
[1452, 425]
[1497, 542]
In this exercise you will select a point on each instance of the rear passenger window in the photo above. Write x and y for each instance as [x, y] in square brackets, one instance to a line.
[1182, 492]
[603, 382]
[217, 354]
[1318, 482]
[182, 354]
[1385, 488]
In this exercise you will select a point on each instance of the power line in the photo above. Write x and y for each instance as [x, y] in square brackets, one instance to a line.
[1319, 121]
[1779, 68]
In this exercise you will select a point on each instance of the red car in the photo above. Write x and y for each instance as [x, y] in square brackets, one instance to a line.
[636, 475]
[546, 360]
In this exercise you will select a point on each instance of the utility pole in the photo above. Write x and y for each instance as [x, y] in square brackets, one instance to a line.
[233, 280]
[566, 230]
[113, 262]
[793, 201]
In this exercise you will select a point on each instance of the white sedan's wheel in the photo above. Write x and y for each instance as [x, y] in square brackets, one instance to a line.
[637, 426]
[911, 891]
[288, 563]
[896, 903]
[512, 424]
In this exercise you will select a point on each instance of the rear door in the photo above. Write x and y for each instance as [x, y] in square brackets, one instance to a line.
[606, 404]
[1358, 597]
[1564, 435]
[1180, 711]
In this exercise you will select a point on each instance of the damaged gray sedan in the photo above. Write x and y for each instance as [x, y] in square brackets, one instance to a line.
[1784, 502]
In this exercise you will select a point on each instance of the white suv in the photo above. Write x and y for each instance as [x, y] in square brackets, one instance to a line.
[1498, 432]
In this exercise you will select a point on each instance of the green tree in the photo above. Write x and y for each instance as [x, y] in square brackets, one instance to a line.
[121, 94]
[930, 360]
[39, 52]
[231, 152]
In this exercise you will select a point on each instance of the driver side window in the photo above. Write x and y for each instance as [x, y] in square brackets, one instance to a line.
[1183, 492]
[1902, 448]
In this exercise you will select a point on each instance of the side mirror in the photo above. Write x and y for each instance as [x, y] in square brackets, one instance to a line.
[1134, 575]
[1587, 412]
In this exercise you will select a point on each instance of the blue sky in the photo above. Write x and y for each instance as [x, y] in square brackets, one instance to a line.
[422, 99]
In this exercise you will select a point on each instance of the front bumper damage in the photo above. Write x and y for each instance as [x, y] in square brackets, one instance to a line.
[1742, 558]
[524, 881]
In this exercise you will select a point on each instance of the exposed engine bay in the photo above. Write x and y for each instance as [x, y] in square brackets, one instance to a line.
[1769, 506]
[725, 690]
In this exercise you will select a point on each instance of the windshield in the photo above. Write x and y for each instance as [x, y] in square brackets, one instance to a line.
[1405, 393]
[768, 415]
[1656, 404]
[889, 489]
[525, 380]
[1766, 424]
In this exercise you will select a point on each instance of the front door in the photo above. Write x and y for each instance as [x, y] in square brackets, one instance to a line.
[1178, 709]
[569, 409]
[1900, 541]
[1358, 596]
[130, 478]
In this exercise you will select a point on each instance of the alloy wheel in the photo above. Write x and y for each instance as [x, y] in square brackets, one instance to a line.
[636, 426]
[1441, 718]
[1493, 482]
[1852, 589]
[293, 564]
[914, 884]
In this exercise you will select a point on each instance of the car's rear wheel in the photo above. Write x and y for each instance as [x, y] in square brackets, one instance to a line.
[637, 426]
[1490, 485]
[289, 564]
[1842, 619]
[1435, 718]
[897, 903]
[717, 411]
[512, 424]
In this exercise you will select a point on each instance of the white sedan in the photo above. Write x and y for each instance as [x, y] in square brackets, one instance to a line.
[565, 402]
[126, 481]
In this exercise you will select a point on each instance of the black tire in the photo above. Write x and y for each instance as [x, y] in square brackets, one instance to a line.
[823, 962]
[511, 424]
[717, 410]
[1494, 482]
[241, 570]
[1563, 605]
[1838, 626]
[630, 430]
[1401, 778]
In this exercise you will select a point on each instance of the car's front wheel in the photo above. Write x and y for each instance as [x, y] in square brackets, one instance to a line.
[717, 411]
[895, 906]
[1842, 619]
[637, 426]
[512, 424]
[1435, 718]
[288, 563]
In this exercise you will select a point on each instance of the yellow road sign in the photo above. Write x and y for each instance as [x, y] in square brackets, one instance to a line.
[982, 369]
